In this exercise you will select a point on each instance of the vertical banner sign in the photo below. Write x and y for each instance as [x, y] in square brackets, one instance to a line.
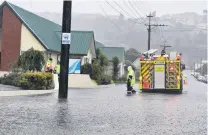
[74, 66]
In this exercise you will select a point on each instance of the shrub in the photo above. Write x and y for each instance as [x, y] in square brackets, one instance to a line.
[105, 80]
[115, 68]
[31, 60]
[97, 72]
[86, 69]
[36, 81]
[11, 79]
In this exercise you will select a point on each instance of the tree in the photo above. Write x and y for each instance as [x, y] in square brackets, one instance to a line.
[31, 60]
[115, 68]
[132, 54]
[103, 60]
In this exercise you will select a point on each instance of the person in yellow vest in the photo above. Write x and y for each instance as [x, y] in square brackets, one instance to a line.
[130, 79]
[49, 66]
[57, 69]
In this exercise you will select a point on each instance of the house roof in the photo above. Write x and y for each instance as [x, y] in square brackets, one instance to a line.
[98, 44]
[49, 33]
[111, 52]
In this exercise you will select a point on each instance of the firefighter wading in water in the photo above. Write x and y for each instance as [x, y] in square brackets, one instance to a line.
[130, 79]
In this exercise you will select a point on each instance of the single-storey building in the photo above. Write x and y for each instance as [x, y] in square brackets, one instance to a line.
[111, 52]
[20, 30]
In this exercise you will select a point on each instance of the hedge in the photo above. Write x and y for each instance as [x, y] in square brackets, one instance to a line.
[36, 81]
[10, 79]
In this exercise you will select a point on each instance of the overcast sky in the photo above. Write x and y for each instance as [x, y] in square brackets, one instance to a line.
[94, 6]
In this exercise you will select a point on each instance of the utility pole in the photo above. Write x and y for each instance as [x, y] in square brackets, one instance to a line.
[150, 28]
[65, 46]
[201, 66]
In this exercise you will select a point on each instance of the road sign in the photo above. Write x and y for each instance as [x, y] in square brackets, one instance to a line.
[66, 38]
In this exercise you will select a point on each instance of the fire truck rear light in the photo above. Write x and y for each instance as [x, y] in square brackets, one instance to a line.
[171, 68]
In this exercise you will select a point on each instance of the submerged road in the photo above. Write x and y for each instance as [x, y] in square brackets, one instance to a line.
[107, 112]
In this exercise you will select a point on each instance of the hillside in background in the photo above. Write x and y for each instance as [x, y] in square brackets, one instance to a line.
[186, 32]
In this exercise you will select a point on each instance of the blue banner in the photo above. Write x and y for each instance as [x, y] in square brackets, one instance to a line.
[74, 66]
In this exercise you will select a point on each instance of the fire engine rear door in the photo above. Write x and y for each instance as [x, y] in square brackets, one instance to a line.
[159, 75]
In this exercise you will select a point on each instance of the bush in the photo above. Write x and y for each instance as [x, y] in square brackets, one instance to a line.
[115, 68]
[86, 69]
[31, 60]
[36, 81]
[11, 79]
[105, 80]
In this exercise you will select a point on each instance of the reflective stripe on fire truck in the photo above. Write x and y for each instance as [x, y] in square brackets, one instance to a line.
[173, 75]
[145, 71]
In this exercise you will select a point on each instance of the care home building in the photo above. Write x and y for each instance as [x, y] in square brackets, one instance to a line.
[21, 30]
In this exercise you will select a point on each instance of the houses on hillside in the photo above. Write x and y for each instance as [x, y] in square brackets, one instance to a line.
[21, 30]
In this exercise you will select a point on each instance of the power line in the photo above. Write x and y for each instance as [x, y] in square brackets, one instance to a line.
[122, 9]
[120, 12]
[136, 11]
[110, 18]
[131, 10]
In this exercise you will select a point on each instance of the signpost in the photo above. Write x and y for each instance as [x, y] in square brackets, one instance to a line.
[66, 41]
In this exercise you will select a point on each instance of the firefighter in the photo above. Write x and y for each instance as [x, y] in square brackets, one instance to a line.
[130, 79]
[49, 66]
[57, 69]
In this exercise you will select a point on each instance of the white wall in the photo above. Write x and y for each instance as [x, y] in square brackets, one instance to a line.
[28, 40]
[89, 57]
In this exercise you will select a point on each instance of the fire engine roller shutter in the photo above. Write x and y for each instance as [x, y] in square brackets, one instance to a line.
[159, 75]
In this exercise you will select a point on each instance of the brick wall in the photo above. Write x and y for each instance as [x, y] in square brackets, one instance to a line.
[11, 36]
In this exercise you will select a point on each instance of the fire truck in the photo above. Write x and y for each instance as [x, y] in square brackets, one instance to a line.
[161, 72]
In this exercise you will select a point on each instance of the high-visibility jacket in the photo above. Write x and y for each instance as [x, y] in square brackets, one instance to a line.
[131, 73]
[48, 65]
[57, 68]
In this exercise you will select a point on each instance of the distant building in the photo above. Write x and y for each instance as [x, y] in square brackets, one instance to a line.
[111, 52]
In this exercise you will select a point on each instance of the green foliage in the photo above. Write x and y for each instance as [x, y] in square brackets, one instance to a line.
[97, 71]
[11, 79]
[103, 60]
[86, 69]
[106, 79]
[36, 81]
[31, 60]
[115, 68]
